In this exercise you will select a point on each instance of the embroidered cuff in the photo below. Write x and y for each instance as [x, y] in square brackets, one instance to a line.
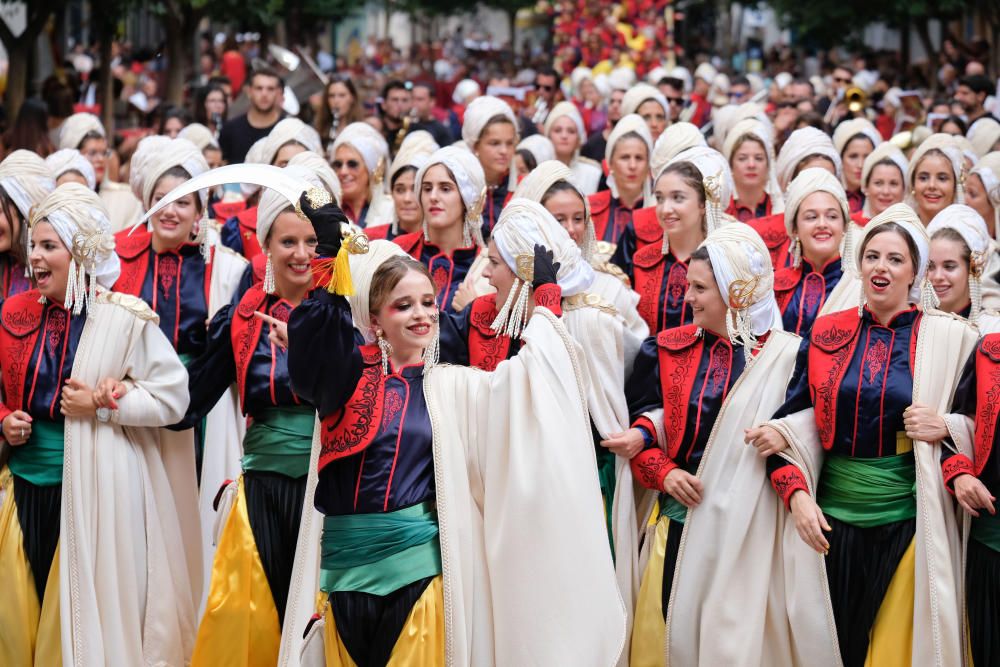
[786, 480]
[650, 467]
[4, 411]
[953, 466]
[549, 296]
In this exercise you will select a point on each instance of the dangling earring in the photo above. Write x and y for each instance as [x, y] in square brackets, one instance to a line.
[861, 300]
[665, 246]
[385, 348]
[268, 285]
[796, 252]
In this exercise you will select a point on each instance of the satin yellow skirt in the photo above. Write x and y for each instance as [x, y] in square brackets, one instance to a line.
[240, 627]
[29, 634]
[420, 643]
[891, 643]
[649, 629]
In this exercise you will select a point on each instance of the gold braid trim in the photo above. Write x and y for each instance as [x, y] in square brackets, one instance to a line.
[588, 300]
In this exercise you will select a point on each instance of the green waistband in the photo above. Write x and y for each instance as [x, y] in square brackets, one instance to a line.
[186, 358]
[381, 552]
[986, 530]
[279, 440]
[40, 460]
[869, 492]
[672, 508]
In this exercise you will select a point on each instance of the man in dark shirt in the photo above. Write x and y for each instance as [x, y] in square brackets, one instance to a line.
[597, 142]
[239, 134]
[423, 108]
[396, 103]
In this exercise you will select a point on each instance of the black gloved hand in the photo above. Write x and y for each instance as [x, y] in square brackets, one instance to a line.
[545, 268]
[327, 221]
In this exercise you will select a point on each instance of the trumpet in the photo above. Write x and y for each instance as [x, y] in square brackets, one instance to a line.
[541, 111]
[857, 99]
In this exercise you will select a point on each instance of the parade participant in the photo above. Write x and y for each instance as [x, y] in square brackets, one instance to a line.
[69, 166]
[819, 280]
[627, 155]
[452, 193]
[403, 540]
[360, 160]
[934, 177]
[531, 152]
[694, 391]
[25, 180]
[883, 181]
[984, 135]
[97, 564]
[85, 133]
[855, 139]
[804, 148]
[650, 104]
[407, 214]
[564, 127]
[962, 255]
[288, 138]
[860, 431]
[982, 191]
[490, 131]
[549, 184]
[750, 153]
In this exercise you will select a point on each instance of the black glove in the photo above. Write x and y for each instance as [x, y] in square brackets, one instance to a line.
[326, 220]
[545, 268]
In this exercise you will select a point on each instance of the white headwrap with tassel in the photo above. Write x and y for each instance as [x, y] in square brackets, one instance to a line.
[177, 153]
[146, 152]
[629, 124]
[320, 170]
[806, 183]
[69, 159]
[970, 225]
[80, 219]
[988, 171]
[676, 138]
[800, 144]
[884, 151]
[640, 93]
[522, 225]
[535, 185]
[754, 129]
[26, 179]
[477, 115]
[718, 180]
[363, 268]
[909, 221]
[946, 144]
[471, 182]
[849, 129]
[374, 151]
[742, 268]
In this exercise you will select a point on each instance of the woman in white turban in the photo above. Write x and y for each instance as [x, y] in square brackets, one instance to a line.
[443, 521]
[416, 148]
[25, 180]
[855, 453]
[361, 160]
[532, 151]
[627, 155]
[564, 127]
[806, 147]
[883, 181]
[650, 104]
[934, 176]
[982, 190]
[750, 152]
[85, 133]
[288, 138]
[452, 193]
[96, 564]
[854, 140]
[819, 280]
[694, 391]
[490, 131]
[69, 166]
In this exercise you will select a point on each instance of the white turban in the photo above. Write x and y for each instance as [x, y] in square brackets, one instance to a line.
[290, 130]
[417, 146]
[372, 147]
[717, 178]
[26, 179]
[852, 128]
[988, 170]
[471, 182]
[363, 268]
[725, 119]
[522, 225]
[272, 202]
[76, 127]
[884, 151]
[321, 170]
[946, 144]
[568, 110]
[705, 72]
[175, 153]
[676, 138]
[535, 185]
[69, 159]
[146, 152]
[742, 268]
[801, 144]
[970, 225]
[621, 78]
[984, 134]
[465, 89]
[752, 128]
[907, 218]
[80, 219]
[479, 113]
[806, 183]
[199, 135]
[643, 92]
[578, 76]
[629, 124]
[539, 146]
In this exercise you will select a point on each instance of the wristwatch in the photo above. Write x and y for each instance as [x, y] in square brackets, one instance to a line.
[104, 415]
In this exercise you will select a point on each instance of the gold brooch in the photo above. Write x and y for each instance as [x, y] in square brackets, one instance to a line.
[741, 293]
[525, 267]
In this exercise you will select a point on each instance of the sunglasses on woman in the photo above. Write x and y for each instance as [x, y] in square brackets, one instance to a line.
[353, 165]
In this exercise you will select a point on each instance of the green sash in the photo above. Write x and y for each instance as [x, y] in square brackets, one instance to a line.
[40, 460]
[379, 553]
[279, 440]
[672, 508]
[986, 530]
[869, 492]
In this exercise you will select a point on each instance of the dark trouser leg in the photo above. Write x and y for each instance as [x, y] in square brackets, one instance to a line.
[982, 586]
[39, 513]
[674, 533]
